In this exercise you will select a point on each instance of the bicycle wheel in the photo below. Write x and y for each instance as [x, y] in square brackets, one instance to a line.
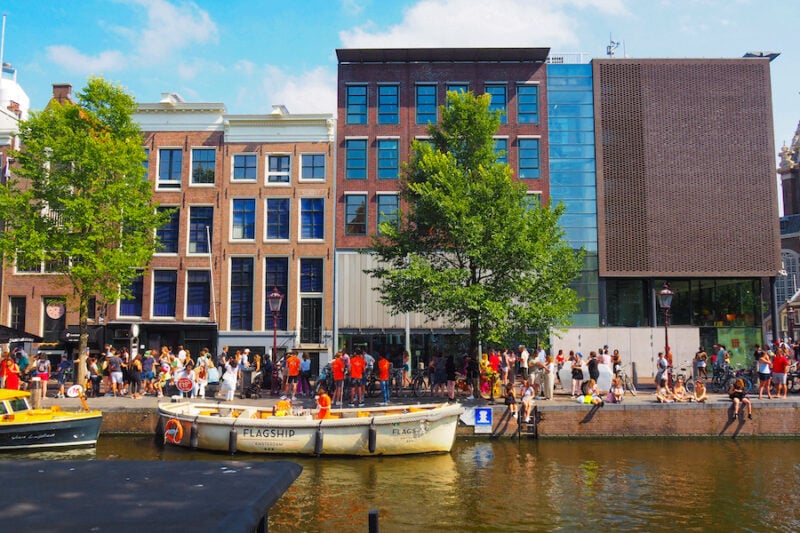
[373, 388]
[418, 387]
[630, 386]
[689, 385]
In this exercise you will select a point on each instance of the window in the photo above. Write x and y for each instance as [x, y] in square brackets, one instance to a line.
[533, 200]
[277, 218]
[244, 219]
[388, 210]
[501, 150]
[426, 104]
[311, 278]
[198, 294]
[388, 159]
[312, 218]
[311, 281]
[528, 104]
[28, 265]
[279, 169]
[168, 233]
[165, 283]
[146, 163]
[244, 167]
[132, 305]
[355, 214]
[388, 104]
[277, 276]
[203, 166]
[241, 293]
[200, 229]
[170, 161]
[356, 104]
[460, 88]
[312, 167]
[18, 307]
[498, 101]
[528, 158]
[355, 159]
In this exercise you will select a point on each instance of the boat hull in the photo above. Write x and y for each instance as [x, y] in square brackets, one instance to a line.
[394, 431]
[55, 433]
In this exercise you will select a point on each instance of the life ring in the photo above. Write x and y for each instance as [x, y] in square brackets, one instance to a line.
[173, 431]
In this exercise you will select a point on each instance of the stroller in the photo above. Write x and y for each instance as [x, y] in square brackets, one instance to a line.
[254, 389]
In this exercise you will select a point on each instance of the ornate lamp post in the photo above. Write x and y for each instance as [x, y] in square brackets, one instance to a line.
[665, 303]
[790, 319]
[275, 299]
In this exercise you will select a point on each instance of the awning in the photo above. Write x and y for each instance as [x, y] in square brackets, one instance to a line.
[8, 334]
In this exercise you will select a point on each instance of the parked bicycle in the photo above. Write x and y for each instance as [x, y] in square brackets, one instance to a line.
[420, 384]
[627, 381]
[688, 378]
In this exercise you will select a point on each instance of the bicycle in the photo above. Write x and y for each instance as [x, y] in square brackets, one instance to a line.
[688, 380]
[420, 384]
[627, 381]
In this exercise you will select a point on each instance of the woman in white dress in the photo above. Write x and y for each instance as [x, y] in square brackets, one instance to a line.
[229, 380]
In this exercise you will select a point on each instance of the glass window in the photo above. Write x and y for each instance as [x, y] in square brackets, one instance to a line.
[312, 218]
[132, 305]
[244, 218]
[203, 165]
[528, 104]
[198, 293]
[355, 214]
[460, 88]
[312, 167]
[528, 158]
[498, 101]
[277, 218]
[533, 200]
[244, 167]
[146, 163]
[241, 293]
[388, 104]
[200, 229]
[388, 159]
[311, 278]
[165, 283]
[426, 104]
[355, 159]
[277, 276]
[356, 104]
[170, 162]
[388, 210]
[279, 169]
[501, 150]
[168, 233]
[18, 306]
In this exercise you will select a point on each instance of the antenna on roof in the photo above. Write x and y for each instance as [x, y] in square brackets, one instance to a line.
[612, 46]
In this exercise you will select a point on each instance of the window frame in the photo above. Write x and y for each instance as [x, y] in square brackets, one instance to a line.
[520, 158]
[388, 117]
[282, 224]
[418, 106]
[349, 158]
[379, 216]
[235, 324]
[496, 106]
[188, 296]
[522, 105]
[248, 222]
[355, 111]
[277, 174]
[155, 292]
[176, 220]
[195, 165]
[313, 167]
[191, 231]
[317, 225]
[245, 168]
[169, 184]
[380, 169]
[364, 197]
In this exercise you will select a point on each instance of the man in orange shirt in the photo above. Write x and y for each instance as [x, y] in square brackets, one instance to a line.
[384, 368]
[337, 368]
[324, 404]
[357, 366]
[293, 370]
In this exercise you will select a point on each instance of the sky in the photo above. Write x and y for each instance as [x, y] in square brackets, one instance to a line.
[251, 54]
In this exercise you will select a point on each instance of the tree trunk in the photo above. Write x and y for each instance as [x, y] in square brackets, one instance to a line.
[83, 343]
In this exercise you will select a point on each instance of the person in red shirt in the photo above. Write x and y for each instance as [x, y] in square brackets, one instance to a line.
[494, 361]
[358, 377]
[337, 368]
[293, 371]
[780, 365]
[323, 403]
[384, 368]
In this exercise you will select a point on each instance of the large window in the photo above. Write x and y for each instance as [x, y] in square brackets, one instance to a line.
[165, 284]
[501, 150]
[388, 210]
[356, 104]
[18, 308]
[312, 218]
[456, 87]
[312, 167]
[132, 305]
[279, 169]
[201, 220]
[198, 294]
[241, 293]
[528, 158]
[244, 219]
[311, 285]
[355, 159]
[426, 104]
[355, 214]
[277, 277]
[388, 104]
[168, 233]
[203, 166]
[170, 161]
[244, 167]
[278, 218]
[499, 100]
[528, 104]
[388, 159]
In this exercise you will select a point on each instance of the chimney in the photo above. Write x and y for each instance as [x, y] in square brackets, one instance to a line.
[62, 92]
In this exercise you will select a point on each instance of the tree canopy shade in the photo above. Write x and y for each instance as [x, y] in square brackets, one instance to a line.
[80, 202]
[472, 246]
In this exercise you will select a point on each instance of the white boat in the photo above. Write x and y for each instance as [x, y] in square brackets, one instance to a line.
[393, 430]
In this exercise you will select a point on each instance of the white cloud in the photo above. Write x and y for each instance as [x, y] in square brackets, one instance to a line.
[312, 91]
[171, 28]
[352, 7]
[477, 23]
[74, 61]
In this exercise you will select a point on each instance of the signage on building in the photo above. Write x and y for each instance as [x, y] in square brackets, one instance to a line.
[483, 420]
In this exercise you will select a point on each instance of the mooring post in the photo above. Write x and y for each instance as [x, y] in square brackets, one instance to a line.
[373, 521]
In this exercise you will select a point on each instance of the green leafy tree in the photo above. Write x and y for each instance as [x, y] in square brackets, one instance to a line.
[472, 246]
[80, 200]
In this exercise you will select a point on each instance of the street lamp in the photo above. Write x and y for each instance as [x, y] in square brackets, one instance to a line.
[275, 299]
[790, 319]
[665, 303]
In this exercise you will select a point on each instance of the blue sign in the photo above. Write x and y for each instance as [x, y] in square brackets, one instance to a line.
[483, 420]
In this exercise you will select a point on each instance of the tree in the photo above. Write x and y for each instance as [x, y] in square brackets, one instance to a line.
[472, 246]
[80, 200]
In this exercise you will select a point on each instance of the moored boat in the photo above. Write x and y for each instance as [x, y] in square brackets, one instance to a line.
[22, 427]
[393, 430]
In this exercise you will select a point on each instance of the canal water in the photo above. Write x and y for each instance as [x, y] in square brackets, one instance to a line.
[547, 485]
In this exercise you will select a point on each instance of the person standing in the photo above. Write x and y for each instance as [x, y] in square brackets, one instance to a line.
[357, 377]
[337, 369]
[549, 377]
[700, 361]
[11, 373]
[577, 375]
[779, 367]
[523, 361]
[135, 375]
[43, 372]
[764, 370]
[115, 373]
[305, 375]
[229, 380]
[473, 375]
[293, 371]
[450, 371]
[384, 370]
[61, 374]
[661, 367]
[592, 366]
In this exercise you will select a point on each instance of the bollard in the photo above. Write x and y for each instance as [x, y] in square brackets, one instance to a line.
[36, 392]
[373, 521]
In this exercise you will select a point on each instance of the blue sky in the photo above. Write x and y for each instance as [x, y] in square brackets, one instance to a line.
[250, 54]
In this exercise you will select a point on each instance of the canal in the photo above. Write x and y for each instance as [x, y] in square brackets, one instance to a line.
[546, 485]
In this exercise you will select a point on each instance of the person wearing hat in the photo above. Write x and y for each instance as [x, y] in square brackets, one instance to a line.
[63, 367]
[283, 407]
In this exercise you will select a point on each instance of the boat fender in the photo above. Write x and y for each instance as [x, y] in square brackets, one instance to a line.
[193, 437]
[318, 442]
[373, 436]
[232, 437]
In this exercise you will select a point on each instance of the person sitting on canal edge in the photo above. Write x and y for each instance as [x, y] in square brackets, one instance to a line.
[663, 394]
[511, 400]
[617, 393]
[323, 403]
[739, 397]
[679, 393]
[700, 395]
